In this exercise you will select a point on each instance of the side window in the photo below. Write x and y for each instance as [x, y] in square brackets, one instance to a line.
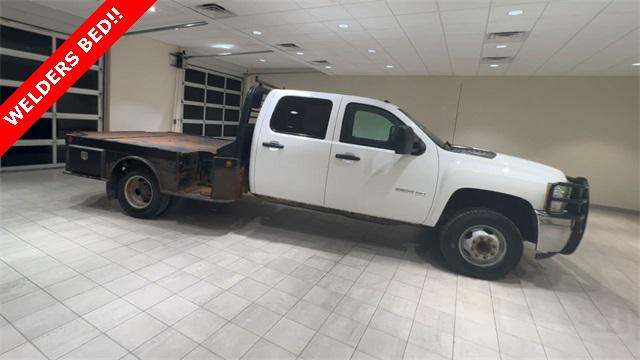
[368, 125]
[302, 116]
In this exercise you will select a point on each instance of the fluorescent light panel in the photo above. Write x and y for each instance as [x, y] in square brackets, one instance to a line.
[169, 27]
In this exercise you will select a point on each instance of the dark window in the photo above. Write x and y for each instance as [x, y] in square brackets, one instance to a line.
[214, 113]
[233, 84]
[302, 116]
[214, 101]
[16, 39]
[233, 100]
[368, 125]
[65, 126]
[231, 115]
[62, 154]
[230, 130]
[193, 112]
[59, 43]
[88, 81]
[193, 94]
[18, 69]
[193, 129]
[40, 130]
[27, 155]
[213, 130]
[6, 92]
[194, 76]
[215, 81]
[215, 97]
[78, 104]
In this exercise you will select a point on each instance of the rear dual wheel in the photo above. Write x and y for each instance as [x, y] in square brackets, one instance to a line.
[139, 194]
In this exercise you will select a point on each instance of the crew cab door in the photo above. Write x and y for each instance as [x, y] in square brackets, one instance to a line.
[293, 146]
[367, 177]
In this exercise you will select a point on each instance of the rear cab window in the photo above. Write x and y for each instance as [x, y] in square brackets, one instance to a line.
[302, 116]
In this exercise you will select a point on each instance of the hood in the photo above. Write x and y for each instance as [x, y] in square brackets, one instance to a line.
[528, 168]
[512, 165]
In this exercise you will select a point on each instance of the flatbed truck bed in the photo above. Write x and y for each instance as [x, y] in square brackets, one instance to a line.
[185, 165]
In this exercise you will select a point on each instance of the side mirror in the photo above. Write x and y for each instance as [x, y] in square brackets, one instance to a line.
[402, 138]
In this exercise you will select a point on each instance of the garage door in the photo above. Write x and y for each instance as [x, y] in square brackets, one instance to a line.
[22, 50]
[211, 103]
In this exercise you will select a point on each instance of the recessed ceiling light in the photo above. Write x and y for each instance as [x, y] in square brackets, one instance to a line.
[501, 46]
[516, 12]
[328, 67]
[300, 53]
[262, 60]
[152, 9]
[222, 46]
[371, 51]
[635, 64]
[256, 32]
[494, 65]
[224, 54]
[343, 26]
[389, 66]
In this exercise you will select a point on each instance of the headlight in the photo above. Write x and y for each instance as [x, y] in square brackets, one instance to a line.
[562, 192]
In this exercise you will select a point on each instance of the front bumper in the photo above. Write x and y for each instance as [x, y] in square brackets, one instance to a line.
[562, 232]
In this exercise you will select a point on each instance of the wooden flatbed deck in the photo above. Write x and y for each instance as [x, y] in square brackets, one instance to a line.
[170, 141]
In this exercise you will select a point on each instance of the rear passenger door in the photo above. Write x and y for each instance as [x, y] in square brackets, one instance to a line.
[293, 147]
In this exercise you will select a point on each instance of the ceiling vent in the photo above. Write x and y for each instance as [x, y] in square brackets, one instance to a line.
[289, 46]
[215, 11]
[321, 62]
[507, 36]
[497, 60]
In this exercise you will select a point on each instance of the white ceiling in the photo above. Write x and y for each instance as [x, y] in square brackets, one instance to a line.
[415, 37]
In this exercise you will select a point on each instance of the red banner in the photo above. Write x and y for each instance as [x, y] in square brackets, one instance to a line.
[65, 66]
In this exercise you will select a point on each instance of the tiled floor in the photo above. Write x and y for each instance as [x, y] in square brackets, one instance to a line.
[79, 280]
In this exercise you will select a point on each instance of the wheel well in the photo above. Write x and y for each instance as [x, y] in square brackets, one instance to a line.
[516, 209]
[120, 168]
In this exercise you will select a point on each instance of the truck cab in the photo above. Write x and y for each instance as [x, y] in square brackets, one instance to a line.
[354, 156]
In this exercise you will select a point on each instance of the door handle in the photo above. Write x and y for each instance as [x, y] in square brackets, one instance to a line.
[349, 157]
[273, 145]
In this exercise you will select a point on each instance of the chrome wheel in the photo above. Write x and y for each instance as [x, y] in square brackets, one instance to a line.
[482, 245]
[138, 192]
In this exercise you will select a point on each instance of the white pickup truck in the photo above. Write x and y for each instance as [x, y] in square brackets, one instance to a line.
[354, 156]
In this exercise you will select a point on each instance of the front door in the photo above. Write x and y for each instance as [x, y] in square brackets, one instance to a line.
[294, 145]
[367, 177]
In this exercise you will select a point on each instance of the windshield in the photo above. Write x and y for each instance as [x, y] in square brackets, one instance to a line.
[427, 132]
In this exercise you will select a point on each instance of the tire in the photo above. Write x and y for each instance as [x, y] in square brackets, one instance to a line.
[139, 194]
[481, 243]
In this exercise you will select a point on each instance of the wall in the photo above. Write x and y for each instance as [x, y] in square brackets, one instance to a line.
[141, 85]
[584, 126]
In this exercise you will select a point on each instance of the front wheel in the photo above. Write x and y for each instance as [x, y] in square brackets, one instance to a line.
[139, 195]
[481, 243]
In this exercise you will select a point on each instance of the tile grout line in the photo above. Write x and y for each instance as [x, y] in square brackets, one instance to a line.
[455, 317]
[261, 337]
[601, 314]
[413, 319]
[495, 322]
[374, 313]
[97, 285]
[331, 312]
[533, 319]
[573, 325]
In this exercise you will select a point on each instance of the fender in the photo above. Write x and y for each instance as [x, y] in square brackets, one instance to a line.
[111, 185]
[503, 174]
